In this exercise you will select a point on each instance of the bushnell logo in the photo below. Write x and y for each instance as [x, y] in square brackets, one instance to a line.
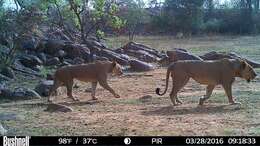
[16, 141]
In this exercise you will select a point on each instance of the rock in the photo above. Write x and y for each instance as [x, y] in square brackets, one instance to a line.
[181, 55]
[95, 46]
[60, 53]
[6, 93]
[30, 43]
[8, 72]
[145, 98]
[95, 58]
[137, 65]
[19, 94]
[4, 78]
[137, 46]
[113, 56]
[232, 55]
[19, 67]
[65, 63]
[58, 108]
[77, 50]
[3, 131]
[24, 93]
[9, 116]
[49, 77]
[78, 60]
[51, 46]
[30, 61]
[43, 57]
[53, 61]
[43, 88]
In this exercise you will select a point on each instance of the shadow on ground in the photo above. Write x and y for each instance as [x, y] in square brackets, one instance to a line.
[170, 110]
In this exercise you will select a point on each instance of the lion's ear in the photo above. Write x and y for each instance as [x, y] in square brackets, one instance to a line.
[243, 64]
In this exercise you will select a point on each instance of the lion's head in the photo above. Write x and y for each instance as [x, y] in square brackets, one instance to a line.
[117, 69]
[245, 70]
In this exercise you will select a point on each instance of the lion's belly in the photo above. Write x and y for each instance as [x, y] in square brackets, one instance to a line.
[206, 81]
[86, 79]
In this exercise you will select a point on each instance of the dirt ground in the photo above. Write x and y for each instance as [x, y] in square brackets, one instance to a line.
[133, 114]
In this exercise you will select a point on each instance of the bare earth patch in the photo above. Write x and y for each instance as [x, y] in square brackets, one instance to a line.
[130, 115]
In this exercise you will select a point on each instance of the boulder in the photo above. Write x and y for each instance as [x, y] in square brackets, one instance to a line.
[19, 94]
[77, 50]
[176, 55]
[8, 72]
[230, 55]
[20, 68]
[58, 108]
[3, 131]
[141, 55]
[30, 43]
[10, 116]
[137, 46]
[78, 60]
[49, 77]
[113, 56]
[95, 58]
[24, 93]
[137, 65]
[51, 46]
[6, 93]
[95, 46]
[52, 61]
[60, 53]
[4, 78]
[42, 57]
[43, 88]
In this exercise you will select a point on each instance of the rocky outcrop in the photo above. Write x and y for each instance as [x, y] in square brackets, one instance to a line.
[230, 55]
[18, 94]
[137, 65]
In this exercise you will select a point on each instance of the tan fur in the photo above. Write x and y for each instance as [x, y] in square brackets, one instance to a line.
[210, 73]
[96, 72]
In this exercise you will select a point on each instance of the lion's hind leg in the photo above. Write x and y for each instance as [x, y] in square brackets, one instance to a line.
[93, 90]
[178, 83]
[69, 86]
[53, 89]
[208, 94]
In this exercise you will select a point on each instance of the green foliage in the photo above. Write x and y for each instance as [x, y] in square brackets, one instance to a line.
[185, 15]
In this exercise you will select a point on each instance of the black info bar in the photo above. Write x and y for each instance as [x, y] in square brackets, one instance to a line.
[128, 140]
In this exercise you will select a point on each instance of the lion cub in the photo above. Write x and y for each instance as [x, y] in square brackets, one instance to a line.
[95, 73]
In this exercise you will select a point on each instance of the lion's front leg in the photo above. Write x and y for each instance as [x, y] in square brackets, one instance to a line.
[93, 92]
[105, 85]
[228, 90]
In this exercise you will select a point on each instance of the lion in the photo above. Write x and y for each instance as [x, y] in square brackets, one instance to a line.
[95, 73]
[211, 73]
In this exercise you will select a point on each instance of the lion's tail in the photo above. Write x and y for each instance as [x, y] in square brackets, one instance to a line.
[167, 80]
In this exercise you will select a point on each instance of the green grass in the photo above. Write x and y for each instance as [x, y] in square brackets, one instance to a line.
[46, 70]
